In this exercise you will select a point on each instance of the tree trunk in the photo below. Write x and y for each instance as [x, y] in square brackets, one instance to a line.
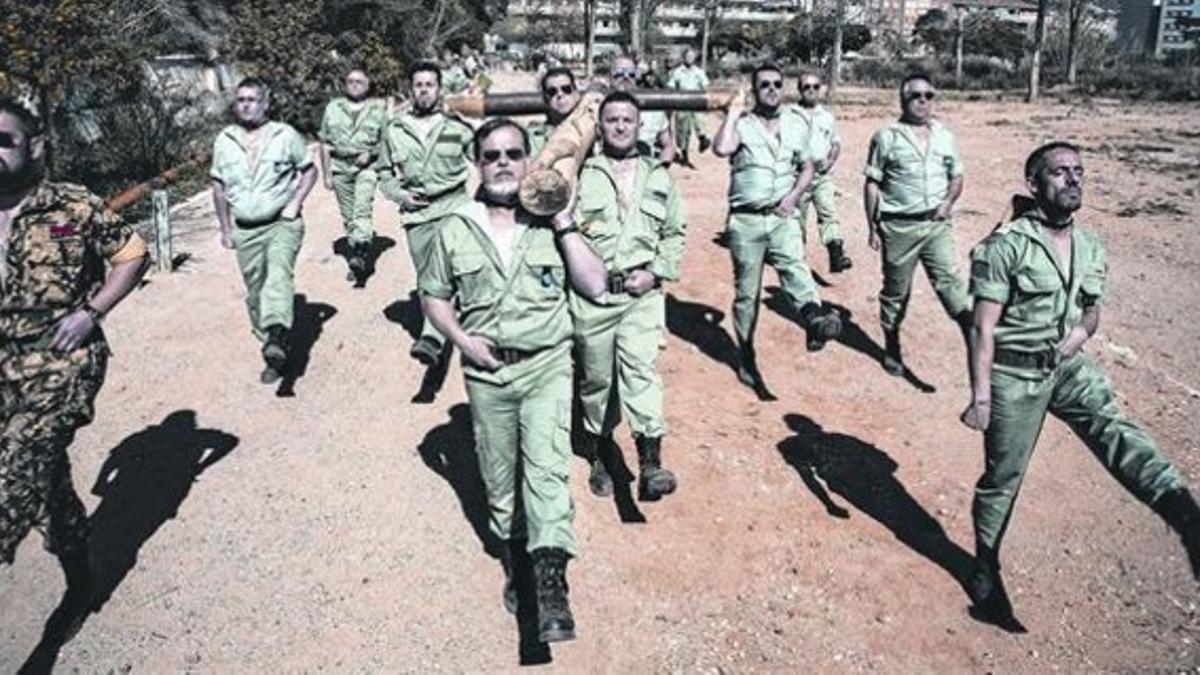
[1035, 60]
[900, 24]
[958, 48]
[835, 63]
[635, 28]
[589, 37]
[1074, 16]
[708, 10]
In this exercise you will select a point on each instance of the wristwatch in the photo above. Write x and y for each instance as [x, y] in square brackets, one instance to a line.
[95, 314]
[573, 227]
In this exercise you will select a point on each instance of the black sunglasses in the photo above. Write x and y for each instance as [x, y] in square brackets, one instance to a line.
[625, 72]
[565, 90]
[513, 155]
[924, 95]
[810, 87]
[7, 140]
[770, 84]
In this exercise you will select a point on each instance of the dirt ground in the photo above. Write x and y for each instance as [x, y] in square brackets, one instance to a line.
[334, 524]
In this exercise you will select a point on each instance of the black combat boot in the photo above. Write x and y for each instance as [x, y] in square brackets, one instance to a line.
[892, 362]
[274, 353]
[704, 143]
[653, 480]
[555, 623]
[986, 589]
[820, 325]
[1179, 509]
[749, 375]
[596, 450]
[427, 351]
[838, 260]
[358, 262]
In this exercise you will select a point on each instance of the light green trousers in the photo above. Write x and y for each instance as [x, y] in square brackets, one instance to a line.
[823, 196]
[906, 243]
[355, 194]
[755, 240]
[267, 255]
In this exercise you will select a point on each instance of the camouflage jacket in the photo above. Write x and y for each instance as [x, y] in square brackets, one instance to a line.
[57, 248]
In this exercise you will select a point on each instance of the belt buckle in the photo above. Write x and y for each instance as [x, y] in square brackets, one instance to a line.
[1052, 359]
[616, 282]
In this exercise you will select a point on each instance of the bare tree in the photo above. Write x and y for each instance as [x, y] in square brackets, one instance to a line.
[1035, 60]
[1075, 12]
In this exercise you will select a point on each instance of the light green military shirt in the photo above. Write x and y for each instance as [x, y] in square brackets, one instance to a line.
[764, 168]
[456, 79]
[645, 233]
[687, 78]
[539, 133]
[650, 124]
[822, 131]
[911, 181]
[349, 133]
[433, 165]
[1016, 266]
[258, 191]
[521, 305]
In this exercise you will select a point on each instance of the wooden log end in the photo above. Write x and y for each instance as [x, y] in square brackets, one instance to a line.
[544, 192]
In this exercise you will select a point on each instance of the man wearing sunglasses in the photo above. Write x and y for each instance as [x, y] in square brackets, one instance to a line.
[769, 171]
[631, 213]
[561, 95]
[424, 163]
[1039, 281]
[654, 126]
[825, 146]
[55, 241]
[510, 272]
[350, 131]
[913, 177]
[261, 174]
[689, 76]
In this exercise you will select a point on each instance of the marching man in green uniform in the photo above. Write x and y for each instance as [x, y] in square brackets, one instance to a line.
[824, 147]
[561, 95]
[424, 164]
[55, 241]
[632, 216]
[350, 133]
[510, 273]
[261, 173]
[689, 77]
[769, 171]
[913, 177]
[1038, 283]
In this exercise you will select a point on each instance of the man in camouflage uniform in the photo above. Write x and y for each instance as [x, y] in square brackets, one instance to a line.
[1038, 282]
[914, 175]
[510, 272]
[350, 133]
[424, 163]
[689, 76]
[261, 173]
[770, 168]
[561, 95]
[824, 147]
[55, 239]
[632, 216]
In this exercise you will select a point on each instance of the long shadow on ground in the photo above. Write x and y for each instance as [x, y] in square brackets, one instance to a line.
[700, 325]
[309, 320]
[141, 485]
[864, 475]
[853, 336]
[449, 451]
[407, 313]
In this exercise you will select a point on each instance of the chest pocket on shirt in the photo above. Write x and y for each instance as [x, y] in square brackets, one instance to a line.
[654, 214]
[67, 251]
[471, 279]
[545, 273]
[448, 145]
[1038, 295]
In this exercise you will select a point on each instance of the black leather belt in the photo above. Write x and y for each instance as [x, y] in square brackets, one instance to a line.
[510, 355]
[931, 214]
[616, 282]
[1045, 360]
[753, 210]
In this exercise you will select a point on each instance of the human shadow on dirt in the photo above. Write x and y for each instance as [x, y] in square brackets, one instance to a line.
[379, 245]
[449, 451]
[307, 324]
[864, 475]
[700, 325]
[407, 313]
[853, 336]
[142, 484]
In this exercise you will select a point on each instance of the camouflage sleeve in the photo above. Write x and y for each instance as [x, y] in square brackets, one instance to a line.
[876, 157]
[991, 264]
[437, 278]
[111, 237]
[671, 238]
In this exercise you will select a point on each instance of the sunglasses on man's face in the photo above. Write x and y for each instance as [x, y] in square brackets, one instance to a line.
[565, 90]
[810, 87]
[7, 140]
[770, 84]
[513, 155]
[625, 72]
[921, 95]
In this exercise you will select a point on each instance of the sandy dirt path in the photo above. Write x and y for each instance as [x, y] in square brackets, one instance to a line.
[341, 527]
